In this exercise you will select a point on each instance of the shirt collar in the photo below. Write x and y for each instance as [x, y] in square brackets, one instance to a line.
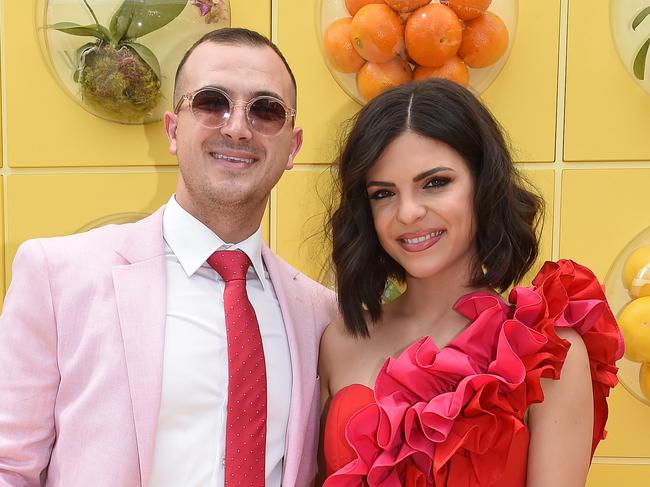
[192, 242]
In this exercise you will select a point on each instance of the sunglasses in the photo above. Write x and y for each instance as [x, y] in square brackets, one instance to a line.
[212, 108]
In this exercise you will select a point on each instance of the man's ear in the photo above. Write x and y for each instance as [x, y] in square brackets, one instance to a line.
[296, 144]
[170, 121]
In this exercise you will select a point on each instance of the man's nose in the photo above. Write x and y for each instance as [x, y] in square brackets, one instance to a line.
[236, 126]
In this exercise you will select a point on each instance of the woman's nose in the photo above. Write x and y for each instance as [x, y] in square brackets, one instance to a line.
[410, 210]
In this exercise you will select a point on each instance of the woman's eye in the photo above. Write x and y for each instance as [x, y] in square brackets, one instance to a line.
[380, 194]
[437, 182]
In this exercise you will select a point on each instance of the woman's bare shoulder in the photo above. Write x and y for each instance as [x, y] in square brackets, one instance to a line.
[336, 339]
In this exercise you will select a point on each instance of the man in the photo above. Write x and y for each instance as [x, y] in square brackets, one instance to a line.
[119, 365]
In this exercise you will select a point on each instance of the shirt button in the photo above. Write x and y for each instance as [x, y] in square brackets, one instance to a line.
[223, 461]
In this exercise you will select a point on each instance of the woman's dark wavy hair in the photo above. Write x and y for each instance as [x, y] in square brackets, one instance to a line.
[507, 214]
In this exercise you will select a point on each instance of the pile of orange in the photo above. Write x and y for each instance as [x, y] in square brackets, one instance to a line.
[389, 42]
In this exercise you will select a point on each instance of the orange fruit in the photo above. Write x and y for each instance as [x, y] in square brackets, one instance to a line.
[375, 78]
[404, 16]
[467, 9]
[377, 33]
[484, 41]
[454, 69]
[433, 35]
[406, 5]
[338, 47]
[634, 322]
[353, 6]
[636, 270]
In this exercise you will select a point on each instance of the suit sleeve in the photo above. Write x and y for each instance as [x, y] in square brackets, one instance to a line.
[29, 375]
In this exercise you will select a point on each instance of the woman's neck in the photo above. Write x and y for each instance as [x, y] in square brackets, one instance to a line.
[428, 303]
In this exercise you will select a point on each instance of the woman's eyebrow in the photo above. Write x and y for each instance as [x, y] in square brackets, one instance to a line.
[430, 172]
[384, 184]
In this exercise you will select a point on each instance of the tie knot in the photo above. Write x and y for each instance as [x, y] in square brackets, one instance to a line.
[231, 265]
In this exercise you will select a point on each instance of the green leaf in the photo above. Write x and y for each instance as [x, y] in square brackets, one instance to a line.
[121, 22]
[640, 17]
[640, 60]
[146, 16]
[147, 56]
[82, 30]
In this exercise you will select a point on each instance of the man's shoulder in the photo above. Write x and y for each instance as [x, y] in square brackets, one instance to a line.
[95, 243]
[321, 297]
[297, 276]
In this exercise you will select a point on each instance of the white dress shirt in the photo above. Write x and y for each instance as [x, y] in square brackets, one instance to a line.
[190, 442]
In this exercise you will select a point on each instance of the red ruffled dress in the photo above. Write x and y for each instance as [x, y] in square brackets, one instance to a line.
[455, 417]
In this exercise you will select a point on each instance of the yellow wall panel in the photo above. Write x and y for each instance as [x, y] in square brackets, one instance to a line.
[300, 204]
[251, 14]
[602, 210]
[544, 183]
[523, 97]
[322, 105]
[60, 204]
[266, 222]
[628, 427]
[2, 246]
[606, 112]
[601, 475]
[1, 116]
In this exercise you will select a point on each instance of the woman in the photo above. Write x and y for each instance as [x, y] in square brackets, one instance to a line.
[448, 384]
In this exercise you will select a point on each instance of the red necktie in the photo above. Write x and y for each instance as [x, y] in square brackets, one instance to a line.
[246, 423]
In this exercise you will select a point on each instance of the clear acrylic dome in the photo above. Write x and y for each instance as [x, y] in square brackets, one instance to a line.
[624, 285]
[118, 58]
[630, 24]
[328, 11]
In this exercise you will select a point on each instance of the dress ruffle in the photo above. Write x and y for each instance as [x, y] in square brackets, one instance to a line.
[451, 416]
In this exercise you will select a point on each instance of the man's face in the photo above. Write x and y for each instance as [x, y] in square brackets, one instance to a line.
[232, 166]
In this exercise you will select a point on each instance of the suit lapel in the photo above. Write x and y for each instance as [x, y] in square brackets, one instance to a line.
[301, 336]
[140, 292]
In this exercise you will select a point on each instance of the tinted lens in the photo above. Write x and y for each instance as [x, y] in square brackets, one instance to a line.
[267, 116]
[211, 108]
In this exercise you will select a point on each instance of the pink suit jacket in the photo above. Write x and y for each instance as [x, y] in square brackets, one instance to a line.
[81, 353]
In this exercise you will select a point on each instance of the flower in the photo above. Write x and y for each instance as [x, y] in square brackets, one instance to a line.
[214, 11]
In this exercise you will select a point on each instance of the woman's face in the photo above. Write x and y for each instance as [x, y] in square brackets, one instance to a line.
[421, 195]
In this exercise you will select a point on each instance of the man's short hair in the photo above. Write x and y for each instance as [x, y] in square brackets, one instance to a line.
[234, 36]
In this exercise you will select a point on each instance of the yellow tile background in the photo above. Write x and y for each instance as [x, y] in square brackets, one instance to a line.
[593, 208]
[523, 98]
[529, 77]
[602, 210]
[2, 242]
[45, 205]
[300, 210]
[606, 112]
[618, 475]
[544, 183]
[601, 213]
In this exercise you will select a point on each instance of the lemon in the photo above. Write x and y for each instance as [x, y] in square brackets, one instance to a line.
[634, 322]
[636, 272]
[644, 379]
